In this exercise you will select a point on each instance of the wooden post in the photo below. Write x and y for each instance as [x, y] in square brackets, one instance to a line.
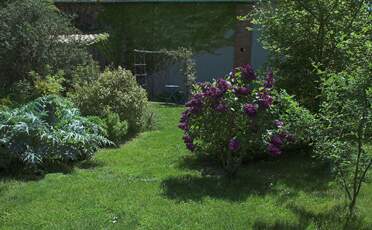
[243, 37]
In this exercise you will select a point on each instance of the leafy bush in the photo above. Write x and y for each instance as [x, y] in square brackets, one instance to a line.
[5, 103]
[116, 91]
[302, 36]
[299, 121]
[48, 129]
[29, 41]
[236, 118]
[86, 74]
[48, 85]
[117, 130]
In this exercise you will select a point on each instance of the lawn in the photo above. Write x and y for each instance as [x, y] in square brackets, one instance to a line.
[153, 182]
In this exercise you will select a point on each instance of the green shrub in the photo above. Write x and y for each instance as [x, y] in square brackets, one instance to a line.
[36, 86]
[117, 130]
[113, 128]
[49, 129]
[86, 74]
[48, 85]
[299, 121]
[29, 41]
[5, 103]
[116, 91]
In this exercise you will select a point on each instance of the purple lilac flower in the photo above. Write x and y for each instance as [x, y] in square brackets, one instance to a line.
[278, 123]
[185, 116]
[250, 110]
[220, 108]
[274, 150]
[184, 126]
[187, 139]
[234, 145]
[214, 92]
[204, 86]
[190, 146]
[194, 102]
[265, 100]
[276, 140]
[269, 80]
[248, 72]
[223, 85]
[242, 91]
[195, 110]
[233, 72]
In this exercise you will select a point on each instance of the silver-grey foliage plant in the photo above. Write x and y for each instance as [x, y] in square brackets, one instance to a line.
[48, 129]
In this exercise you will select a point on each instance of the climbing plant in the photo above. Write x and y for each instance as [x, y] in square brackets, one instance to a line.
[188, 66]
[164, 59]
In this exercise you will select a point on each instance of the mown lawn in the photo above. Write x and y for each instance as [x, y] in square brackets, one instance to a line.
[152, 183]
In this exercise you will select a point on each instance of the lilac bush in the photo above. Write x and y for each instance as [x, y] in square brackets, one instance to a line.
[234, 118]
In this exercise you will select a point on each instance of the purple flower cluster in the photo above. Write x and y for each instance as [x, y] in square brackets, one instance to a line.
[204, 86]
[269, 83]
[214, 92]
[265, 100]
[277, 141]
[250, 110]
[189, 142]
[220, 107]
[184, 121]
[275, 145]
[248, 72]
[274, 150]
[278, 123]
[241, 91]
[234, 145]
[184, 126]
[223, 85]
[195, 104]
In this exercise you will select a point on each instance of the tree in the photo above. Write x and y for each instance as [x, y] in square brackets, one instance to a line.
[346, 114]
[302, 36]
[29, 41]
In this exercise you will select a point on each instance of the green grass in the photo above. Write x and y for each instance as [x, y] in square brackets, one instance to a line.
[152, 182]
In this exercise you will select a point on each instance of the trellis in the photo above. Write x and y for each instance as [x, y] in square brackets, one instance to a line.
[181, 55]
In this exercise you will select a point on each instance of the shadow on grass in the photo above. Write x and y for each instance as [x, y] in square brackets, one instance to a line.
[298, 172]
[278, 225]
[334, 218]
[294, 172]
[18, 171]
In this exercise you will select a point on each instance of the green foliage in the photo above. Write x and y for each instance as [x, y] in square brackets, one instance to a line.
[346, 128]
[303, 36]
[5, 103]
[85, 74]
[29, 41]
[50, 84]
[299, 121]
[49, 129]
[116, 91]
[117, 130]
